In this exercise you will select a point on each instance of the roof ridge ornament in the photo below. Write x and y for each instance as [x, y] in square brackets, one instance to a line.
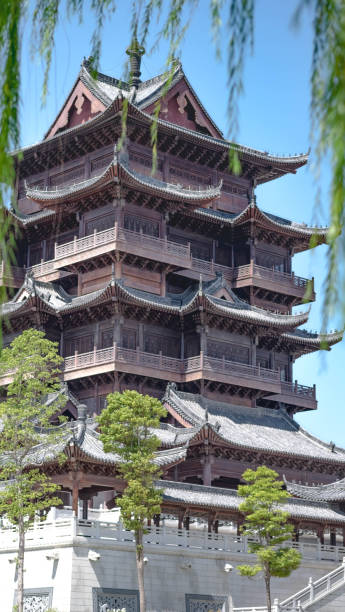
[135, 52]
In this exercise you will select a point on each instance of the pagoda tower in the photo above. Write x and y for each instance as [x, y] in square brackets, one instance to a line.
[176, 284]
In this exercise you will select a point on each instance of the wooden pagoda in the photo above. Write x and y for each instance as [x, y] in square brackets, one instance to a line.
[178, 285]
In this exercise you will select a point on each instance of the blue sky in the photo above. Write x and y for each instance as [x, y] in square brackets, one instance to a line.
[273, 116]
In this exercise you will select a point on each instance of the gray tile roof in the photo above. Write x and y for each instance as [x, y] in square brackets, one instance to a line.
[58, 301]
[264, 429]
[334, 491]
[228, 499]
[127, 175]
[276, 222]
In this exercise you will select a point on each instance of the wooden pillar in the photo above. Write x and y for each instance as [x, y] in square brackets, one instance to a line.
[207, 461]
[186, 523]
[141, 337]
[332, 536]
[210, 521]
[75, 497]
[254, 340]
[163, 284]
[343, 536]
[97, 343]
[216, 526]
[295, 535]
[321, 534]
[85, 509]
[180, 519]
[182, 345]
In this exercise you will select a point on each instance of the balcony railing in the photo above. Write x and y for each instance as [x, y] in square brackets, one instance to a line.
[51, 532]
[120, 239]
[294, 388]
[168, 364]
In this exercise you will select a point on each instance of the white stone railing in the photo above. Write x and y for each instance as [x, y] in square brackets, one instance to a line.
[50, 533]
[315, 590]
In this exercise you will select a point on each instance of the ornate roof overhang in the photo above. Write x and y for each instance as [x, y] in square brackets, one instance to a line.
[333, 492]
[260, 429]
[54, 300]
[301, 342]
[119, 173]
[252, 219]
[227, 501]
[103, 129]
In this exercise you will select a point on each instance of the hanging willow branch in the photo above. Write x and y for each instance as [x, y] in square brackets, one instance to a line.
[229, 19]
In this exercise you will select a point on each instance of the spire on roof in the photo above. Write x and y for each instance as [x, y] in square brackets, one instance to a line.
[135, 52]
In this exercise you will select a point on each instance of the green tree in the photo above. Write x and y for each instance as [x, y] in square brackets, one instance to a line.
[32, 364]
[267, 523]
[126, 429]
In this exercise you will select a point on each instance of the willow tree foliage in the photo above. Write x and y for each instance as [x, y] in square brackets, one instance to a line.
[126, 429]
[268, 525]
[32, 366]
[231, 21]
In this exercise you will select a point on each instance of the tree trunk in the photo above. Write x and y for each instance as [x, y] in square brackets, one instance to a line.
[20, 565]
[140, 567]
[268, 590]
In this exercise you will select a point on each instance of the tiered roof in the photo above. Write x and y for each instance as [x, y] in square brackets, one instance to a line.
[110, 94]
[332, 492]
[260, 429]
[53, 299]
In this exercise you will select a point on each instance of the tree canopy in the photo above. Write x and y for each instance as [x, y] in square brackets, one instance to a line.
[126, 426]
[268, 525]
[32, 365]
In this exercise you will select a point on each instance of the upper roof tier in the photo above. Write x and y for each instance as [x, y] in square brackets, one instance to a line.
[86, 121]
[119, 172]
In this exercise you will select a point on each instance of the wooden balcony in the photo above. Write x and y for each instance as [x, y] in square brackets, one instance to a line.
[252, 275]
[11, 276]
[199, 367]
[294, 394]
[100, 244]
[273, 280]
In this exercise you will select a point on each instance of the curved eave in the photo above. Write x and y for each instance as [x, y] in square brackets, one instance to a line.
[298, 231]
[258, 316]
[334, 491]
[191, 418]
[313, 342]
[120, 172]
[25, 221]
[281, 165]
[33, 303]
[227, 500]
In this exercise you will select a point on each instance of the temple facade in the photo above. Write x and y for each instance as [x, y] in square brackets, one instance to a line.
[175, 283]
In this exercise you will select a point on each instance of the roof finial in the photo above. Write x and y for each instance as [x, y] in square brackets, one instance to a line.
[135, 52]
[82, 410]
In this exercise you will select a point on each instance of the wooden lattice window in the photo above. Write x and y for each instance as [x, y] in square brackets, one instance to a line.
[138, 224]
[107, 338]
[230, 352]
[68, 176]
[81, 344]
[156, 344]
[99, 223]
[129, 338]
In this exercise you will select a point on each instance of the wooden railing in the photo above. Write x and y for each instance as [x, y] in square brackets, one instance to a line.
[294, 388]
[168, 364]
[123, 237]
[249, 271]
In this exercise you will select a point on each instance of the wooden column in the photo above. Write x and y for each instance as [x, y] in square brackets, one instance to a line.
[332, 536]
[182, 345]
[75, 497]
[85, 509]
[141, 337]
[343, 536]
[321, 534]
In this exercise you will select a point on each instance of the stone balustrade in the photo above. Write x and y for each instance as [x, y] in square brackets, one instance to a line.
[54, 532]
